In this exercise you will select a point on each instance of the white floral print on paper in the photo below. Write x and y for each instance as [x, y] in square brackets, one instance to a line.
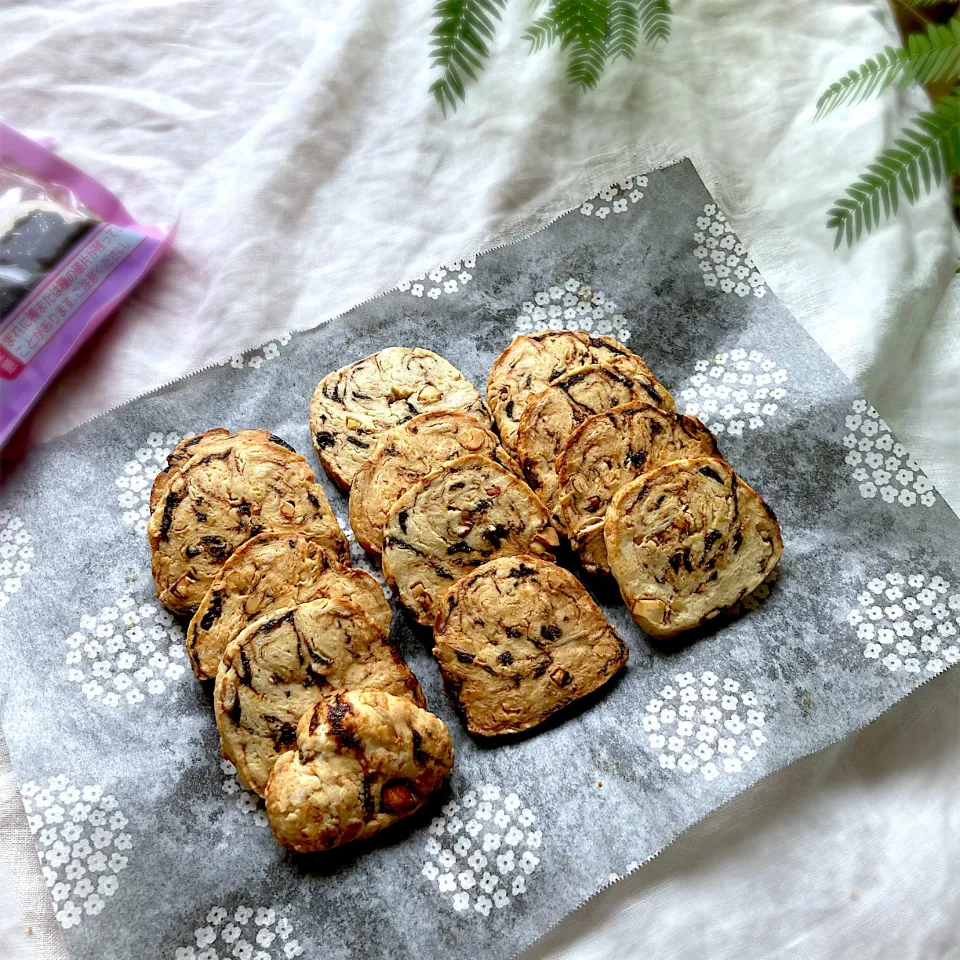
[246, 801]
[16, 555]
[572, 306]
[881, 466]
[705, 724]
[448, 278]
[629, 868]
[723, 259]
[735, 391]
[482, 849]
[615, 199]
[908, 622]
[243, 933]
[79, 833]
[126, 652]
[137, 478]
[254, 359]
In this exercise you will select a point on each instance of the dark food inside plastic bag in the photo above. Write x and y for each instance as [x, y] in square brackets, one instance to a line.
[31, 249]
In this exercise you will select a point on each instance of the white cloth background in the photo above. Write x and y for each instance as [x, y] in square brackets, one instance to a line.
[312, 171]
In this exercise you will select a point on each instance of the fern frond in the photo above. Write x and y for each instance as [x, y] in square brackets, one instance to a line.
[935, 56]
[581, 23]
[655, 18]
[586, 64]
[459, 44]
[624, 29]
[873, 76]
[542, 33]
[924, 154]
[927, 57]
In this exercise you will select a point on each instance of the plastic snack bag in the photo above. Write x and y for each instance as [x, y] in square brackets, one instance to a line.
[69, 255]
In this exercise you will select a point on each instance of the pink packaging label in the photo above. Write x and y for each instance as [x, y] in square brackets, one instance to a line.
[65, 290]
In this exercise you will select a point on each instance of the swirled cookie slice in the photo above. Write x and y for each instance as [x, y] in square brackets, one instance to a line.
[237, 488]
[407, 453]
[532, 362]
[554, 413]
[458, 517]
[687, 540]
[266, 573]
[353, 405]
[519, 639]
[364, 760]
[605, 453]
[283, 663]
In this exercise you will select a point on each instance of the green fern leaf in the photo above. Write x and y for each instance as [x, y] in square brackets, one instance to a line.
[581, 23]
[655, 19]
[924, 154]
[460, 44]
[928, 57]
[872, 77]
[935, 56]
[624, 29]
[542, 33]
[586, 64]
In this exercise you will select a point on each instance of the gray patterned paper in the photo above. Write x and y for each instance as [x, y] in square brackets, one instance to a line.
[146, 837]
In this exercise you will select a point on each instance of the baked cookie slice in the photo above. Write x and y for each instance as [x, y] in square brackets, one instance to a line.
[238, 487]
[182, 452]
[364, 760]
[283, 663]
[519, 639]
[271, 571]
[605, 453]
[687, 540]
[404, 455]
[531, 363]
[554, 413]
[354, 405]
[456, 518]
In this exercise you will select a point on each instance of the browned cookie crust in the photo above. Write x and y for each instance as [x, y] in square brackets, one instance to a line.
[266, 573]
[519, 639]
[532, 362]
[283, 663]
[687, 540]
[404, 455]
[364, 760]
[458, 517]
[554, 413]
[183, 451]
[354, 405]
[221, 498]
[609, 450]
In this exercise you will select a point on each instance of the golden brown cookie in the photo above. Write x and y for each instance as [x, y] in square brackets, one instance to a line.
[519, 639]
[183, 451]
[404, 455]
[364, 760]
[354, 405]
[531, 363]
[237, 488]
[266, 573]
[687, 540]
[282, 664]
[456, 518]
[554, 413]
[605, 453]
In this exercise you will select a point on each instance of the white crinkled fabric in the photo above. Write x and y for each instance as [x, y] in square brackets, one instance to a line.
[312, 171]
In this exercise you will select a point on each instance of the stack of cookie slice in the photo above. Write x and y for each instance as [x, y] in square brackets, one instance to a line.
[464, 540]
[244, 540]
[641, 491]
